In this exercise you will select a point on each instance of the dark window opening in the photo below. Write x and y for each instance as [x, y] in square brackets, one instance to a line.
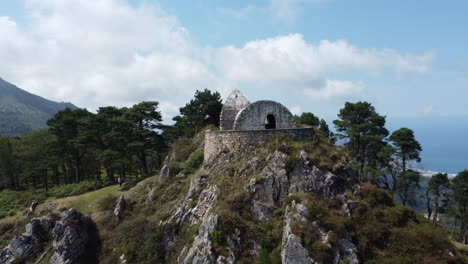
[270, 122]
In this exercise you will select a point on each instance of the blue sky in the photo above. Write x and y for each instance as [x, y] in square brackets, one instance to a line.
[408, 58]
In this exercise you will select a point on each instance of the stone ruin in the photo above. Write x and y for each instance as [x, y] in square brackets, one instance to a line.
[239, 114]
[244, 125]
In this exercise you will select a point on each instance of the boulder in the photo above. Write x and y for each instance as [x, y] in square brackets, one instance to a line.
[151, 195]
[120, 207]
[28, 244]
[164, 173]
[70, 237]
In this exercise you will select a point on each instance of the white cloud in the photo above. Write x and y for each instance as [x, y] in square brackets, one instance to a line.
[107, 52]
[101, 52]
[290, 57]
[292, 61]
[333, 89]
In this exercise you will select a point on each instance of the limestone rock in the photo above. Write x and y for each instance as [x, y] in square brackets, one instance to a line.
[27, 245]
[195, 209]
[120, 207]
[254, 248]
[292, 251]
[267, 192]
[164, 173]
[233, 244]
[70, 237]
[202, 249]
[151, 195]
[348, 251]
[308, 178]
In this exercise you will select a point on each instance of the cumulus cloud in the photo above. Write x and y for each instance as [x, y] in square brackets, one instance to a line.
[290, 57]
[293, 61]
[108, 52]
[101, 52]
[334, 89]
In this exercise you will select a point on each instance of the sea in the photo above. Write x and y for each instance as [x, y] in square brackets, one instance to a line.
[444, 141]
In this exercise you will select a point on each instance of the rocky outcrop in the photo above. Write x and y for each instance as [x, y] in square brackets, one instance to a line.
[233, 245]
[307, 178]
[197, 203]
[120, 207]
[346, 251]
[70, 237]
[28, 244]
[292, 251]
[270, 183]
[268, 189]
[164, 173]
[202, 249]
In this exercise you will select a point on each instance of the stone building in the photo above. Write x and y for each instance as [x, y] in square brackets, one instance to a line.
[239, 114]
[245, 125]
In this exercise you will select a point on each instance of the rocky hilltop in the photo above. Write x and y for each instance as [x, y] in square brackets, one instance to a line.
[286, 202]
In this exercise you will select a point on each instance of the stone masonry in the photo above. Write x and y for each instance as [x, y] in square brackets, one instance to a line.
[245, 125]
[235, 141]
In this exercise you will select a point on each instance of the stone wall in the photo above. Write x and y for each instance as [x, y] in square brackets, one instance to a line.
[253, 116]
[234, 103]
[240, 141]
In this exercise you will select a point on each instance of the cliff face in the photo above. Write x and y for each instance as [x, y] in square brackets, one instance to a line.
[251, 205]
[275, 205]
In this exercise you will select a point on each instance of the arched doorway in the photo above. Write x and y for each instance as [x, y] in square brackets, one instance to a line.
[270, 122]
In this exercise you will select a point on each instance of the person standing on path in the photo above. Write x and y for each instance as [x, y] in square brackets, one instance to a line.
[120, 181]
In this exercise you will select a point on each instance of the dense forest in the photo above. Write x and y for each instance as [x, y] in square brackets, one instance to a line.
[132, 143]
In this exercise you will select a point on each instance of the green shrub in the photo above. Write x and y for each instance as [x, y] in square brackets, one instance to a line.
[12, 202]
[175, 168]
[218, 237]
[193, 163]
[264, 257]
[322, 252]
[130, 252]
[74, 189]
[127, 185]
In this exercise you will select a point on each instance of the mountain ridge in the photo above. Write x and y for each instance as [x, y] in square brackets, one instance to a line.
[22, 112]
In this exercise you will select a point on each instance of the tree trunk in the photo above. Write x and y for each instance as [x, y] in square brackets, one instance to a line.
[404, 164]
[144, 165]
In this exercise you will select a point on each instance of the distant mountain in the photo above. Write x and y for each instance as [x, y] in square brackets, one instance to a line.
[22, 112]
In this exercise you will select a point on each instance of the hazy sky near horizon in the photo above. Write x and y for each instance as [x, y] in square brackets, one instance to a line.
[409, 58]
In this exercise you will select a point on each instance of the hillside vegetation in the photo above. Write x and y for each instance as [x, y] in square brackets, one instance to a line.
[22, 112]
[165, 218]
[284, 202]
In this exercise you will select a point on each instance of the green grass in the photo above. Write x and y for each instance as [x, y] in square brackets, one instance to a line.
[88, 202]
[12, 202]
